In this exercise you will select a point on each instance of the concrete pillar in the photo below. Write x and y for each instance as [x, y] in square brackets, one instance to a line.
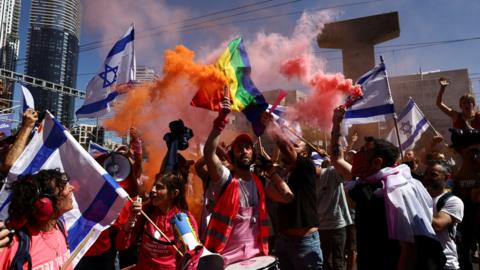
[357, 38]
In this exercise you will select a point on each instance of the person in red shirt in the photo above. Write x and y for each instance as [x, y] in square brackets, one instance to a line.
[167, 200]
[468, 117]
[37, 203]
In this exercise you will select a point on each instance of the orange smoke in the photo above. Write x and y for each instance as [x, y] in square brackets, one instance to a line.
[328, 90]
[150, 107]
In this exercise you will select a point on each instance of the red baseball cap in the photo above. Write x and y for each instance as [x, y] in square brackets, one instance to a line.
[244, 137]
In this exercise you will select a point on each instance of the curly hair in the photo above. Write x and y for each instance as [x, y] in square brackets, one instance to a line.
[29, 188]
[175, 180]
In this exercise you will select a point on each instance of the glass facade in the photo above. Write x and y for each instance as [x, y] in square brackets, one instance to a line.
[52, 53]
[9, 46]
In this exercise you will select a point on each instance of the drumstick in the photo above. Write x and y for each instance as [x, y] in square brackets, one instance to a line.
[78, 249]
[156, 228]
[129, 267]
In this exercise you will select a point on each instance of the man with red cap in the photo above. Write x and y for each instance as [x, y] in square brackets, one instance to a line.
[239, 227]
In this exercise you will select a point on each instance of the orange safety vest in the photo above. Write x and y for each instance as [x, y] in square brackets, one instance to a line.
[226, 209]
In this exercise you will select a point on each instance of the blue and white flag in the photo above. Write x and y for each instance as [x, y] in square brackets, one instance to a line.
[98, 198]
[6, 124]
[411, 125]
[317, 159]
[118, 68]
[286, 125]
[28, 102]
[376, 104]
[96, 150]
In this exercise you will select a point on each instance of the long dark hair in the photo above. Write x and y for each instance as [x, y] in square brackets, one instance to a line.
[28, 189]
[175, 180]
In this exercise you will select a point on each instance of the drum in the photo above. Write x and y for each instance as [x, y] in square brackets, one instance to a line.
[256, 263]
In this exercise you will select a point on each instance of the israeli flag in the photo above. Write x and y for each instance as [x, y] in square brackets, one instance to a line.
[376, 104]
[411, 125]
[286, 125]
[28, 102]
[98, 198]
[96, 150]
[118, 68]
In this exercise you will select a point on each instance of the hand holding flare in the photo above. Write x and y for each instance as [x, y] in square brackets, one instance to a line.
[222, 120]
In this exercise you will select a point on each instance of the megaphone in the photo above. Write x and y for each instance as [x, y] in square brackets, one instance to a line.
[118, 166]
[197, 256]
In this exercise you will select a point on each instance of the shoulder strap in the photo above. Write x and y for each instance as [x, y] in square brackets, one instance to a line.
[61, 226]
[442, 200]
[23, 251]
[440, 204]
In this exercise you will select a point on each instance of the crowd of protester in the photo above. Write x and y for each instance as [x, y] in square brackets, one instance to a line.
[338, 208]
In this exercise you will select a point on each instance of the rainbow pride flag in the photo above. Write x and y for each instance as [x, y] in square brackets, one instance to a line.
[245, 96]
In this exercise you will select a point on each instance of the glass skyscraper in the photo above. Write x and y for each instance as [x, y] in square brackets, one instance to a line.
[9, 45]
[52, 53]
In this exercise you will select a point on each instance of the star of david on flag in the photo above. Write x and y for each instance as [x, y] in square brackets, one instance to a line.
[406, 127]
[105, 75]
[412, 124]
[117, 69]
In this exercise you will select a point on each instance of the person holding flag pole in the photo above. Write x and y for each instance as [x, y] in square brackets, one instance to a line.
[376, 103]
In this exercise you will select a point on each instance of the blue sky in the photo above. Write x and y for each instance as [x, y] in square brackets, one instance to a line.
[421, 21]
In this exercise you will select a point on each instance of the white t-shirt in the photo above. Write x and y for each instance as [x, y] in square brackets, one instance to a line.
[454, 207]
[248, 189]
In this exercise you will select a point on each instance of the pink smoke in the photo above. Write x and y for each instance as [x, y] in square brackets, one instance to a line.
[327, 92]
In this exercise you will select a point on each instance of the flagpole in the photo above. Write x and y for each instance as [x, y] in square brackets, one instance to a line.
[157, 228]
[301, 138]
[394, 113]
[96, 132]
[78, 249]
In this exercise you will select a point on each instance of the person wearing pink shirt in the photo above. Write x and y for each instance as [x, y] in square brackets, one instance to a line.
[37, 203]
[167, 200]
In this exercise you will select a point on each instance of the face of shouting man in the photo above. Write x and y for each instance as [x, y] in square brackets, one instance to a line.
[243, 154]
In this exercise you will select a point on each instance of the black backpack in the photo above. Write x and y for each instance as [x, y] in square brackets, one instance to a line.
[23, 251]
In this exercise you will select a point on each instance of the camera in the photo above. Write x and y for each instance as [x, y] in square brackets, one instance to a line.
[180, 133]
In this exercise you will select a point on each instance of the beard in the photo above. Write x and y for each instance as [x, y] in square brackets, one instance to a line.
[434, 186]
[243, 164]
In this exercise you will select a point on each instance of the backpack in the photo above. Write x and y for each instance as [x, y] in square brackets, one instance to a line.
[23, 251]
[440, 204]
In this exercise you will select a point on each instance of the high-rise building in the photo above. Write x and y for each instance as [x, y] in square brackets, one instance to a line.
[145, 74]
[85, 133]
[52, 53]
[9, 46]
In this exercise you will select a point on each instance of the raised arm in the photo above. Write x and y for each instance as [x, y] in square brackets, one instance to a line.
[200, 169]
[336, 153]
[442, 106]
[30, 116]
[277, 190]
[136, 147]
[287, 149]
[214, 165]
